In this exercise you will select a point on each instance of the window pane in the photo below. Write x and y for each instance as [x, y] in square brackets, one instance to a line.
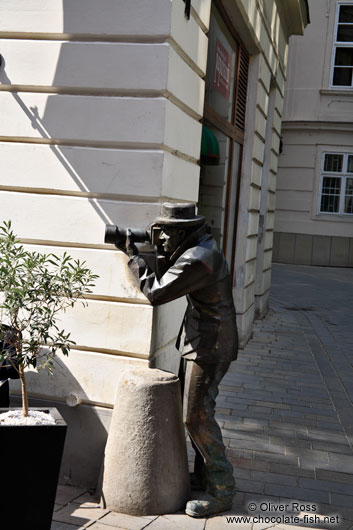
[331, 185]
[350, 164]
[349, 187]
[346, 14]
[348, 205]
[342, 77]
[221, 67]
[330, 197]
[333, 163]
[345, 33]
[344, 57]
[329, 204]
[348, 200]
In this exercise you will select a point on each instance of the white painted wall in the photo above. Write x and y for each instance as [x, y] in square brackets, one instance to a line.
[316, 119]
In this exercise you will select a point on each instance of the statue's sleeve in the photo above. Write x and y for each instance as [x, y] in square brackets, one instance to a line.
[184, 277]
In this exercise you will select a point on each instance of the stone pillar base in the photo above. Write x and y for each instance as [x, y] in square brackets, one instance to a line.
[145, 465]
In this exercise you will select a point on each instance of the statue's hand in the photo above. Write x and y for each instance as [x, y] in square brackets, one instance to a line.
[121, 246]
[131, 249]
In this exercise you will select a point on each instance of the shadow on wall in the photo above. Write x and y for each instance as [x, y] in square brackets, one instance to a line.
[73, 164]
[87, 426]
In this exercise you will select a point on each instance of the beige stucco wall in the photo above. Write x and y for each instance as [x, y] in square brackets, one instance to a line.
[102, 103]
[316, 119]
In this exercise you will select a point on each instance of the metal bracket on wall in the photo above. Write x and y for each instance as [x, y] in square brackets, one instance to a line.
[187, 8]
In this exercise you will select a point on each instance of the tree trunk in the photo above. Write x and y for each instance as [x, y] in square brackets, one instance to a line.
[24, 391]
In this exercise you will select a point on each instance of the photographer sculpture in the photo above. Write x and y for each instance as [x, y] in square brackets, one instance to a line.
[208, 341]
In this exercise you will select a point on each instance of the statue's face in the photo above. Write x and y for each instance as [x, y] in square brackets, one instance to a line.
[170, 238]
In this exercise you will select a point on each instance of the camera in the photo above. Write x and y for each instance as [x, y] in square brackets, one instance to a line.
[117, 236]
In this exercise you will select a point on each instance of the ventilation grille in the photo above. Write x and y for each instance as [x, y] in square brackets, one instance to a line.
[242, 89]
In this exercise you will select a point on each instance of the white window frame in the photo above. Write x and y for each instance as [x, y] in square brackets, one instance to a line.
[339, 44]
[343, 175]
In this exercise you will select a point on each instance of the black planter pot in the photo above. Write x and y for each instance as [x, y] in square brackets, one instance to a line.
[29, 471]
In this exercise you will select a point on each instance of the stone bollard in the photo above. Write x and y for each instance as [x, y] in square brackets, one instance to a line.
[145, 464]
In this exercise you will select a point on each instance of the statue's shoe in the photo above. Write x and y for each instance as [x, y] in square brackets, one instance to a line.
[208, 505]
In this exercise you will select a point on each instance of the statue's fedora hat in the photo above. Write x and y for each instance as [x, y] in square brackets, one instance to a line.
[179, 214]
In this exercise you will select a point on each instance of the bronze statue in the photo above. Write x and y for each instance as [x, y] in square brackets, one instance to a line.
[193, 265]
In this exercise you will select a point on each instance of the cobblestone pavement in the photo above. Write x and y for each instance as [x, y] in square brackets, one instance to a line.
[285, 408]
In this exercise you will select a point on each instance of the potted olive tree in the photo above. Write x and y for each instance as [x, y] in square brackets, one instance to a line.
[34, 289]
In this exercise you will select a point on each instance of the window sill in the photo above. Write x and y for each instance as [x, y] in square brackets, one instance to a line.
[337, 92]
[326, 216]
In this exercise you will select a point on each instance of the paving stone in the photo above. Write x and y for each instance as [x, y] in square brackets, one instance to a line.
[259, 446]
[274, 478]
[345, 462]
[287, 441]
[236, 434]
[241, 473]
[62, 526]
[341, 500]
[291, 470]
[332, 447]
[255, 421]
[323, 435]
[262, 409]
[313, 523]
[281, 433]
[323, 474]
[273, 404]
[250, 464]
[230, 388]
[223, 411]
[244, 427]
[289, 426]
[271, 416]
[177, 522]
[236, 408]
[324, 485]
[321, 418]
[272, 457]
[65, 494]
[302, 451]
[250, 486]
[293, 492]
[128, 522]
[87, 497]
[262, 526]
[80, 515]
[99, 526]
[258, 499]
[238, 453]
[306, 402]
[221, 523]
[235, 417]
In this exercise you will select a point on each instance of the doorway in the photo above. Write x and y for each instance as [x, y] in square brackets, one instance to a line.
[223, 130]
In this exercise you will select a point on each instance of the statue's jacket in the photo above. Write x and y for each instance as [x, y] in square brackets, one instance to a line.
[198, 270]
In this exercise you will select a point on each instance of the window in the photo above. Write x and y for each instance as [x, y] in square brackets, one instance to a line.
[343, 47]
[337, 184]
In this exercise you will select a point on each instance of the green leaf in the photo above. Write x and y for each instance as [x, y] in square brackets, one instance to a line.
[34, 289]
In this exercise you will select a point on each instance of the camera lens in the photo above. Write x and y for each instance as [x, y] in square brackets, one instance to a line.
[111, 234]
